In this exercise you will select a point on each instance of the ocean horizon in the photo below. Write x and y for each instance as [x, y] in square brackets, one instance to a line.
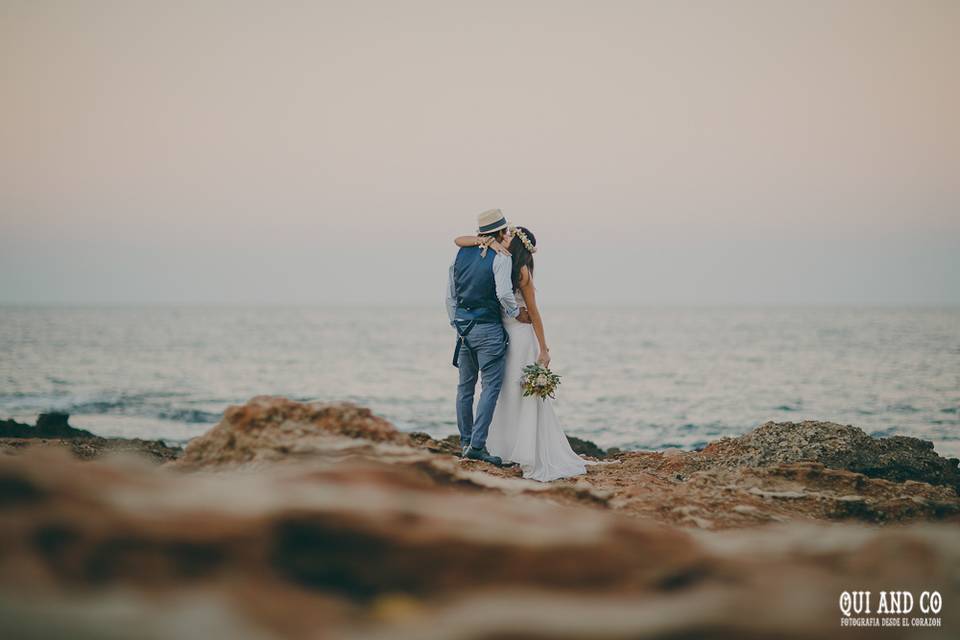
[634, 377]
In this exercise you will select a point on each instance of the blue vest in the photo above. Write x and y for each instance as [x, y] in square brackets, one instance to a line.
[476, 288]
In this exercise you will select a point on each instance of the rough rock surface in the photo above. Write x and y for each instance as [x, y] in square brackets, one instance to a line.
[93, 448]
[731, 498]
[836, 446]
[271, 428]
[302, 521]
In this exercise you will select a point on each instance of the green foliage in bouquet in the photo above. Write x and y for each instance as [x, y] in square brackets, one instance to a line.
[539, 381]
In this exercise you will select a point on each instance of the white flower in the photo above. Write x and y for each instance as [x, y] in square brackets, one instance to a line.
[541, 380]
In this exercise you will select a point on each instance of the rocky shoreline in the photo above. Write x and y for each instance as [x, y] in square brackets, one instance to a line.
[53, 431]
[291, 520]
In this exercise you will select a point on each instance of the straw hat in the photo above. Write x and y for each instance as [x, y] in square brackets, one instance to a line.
[490, 221]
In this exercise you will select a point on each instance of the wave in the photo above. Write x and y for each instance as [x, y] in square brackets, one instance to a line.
[160, 405]
[190, 415]
[902, 407]
[789, 407]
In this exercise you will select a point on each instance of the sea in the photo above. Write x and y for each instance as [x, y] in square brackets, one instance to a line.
[634, 378]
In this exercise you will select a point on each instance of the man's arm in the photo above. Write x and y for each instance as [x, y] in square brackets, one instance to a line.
[502, 266]
[451, 295]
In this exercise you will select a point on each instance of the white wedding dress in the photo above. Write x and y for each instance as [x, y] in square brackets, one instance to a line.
[526, 430]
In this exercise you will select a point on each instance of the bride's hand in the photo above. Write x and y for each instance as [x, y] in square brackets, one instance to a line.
[544, 358]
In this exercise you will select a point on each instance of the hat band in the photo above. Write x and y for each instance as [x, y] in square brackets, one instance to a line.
[502, 222]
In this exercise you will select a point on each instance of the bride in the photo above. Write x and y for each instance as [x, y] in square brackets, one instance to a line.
[526, 430]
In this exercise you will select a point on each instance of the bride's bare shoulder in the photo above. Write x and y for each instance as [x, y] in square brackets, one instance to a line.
[525, 276]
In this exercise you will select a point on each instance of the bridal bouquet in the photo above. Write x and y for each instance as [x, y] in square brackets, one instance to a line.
[539, 381]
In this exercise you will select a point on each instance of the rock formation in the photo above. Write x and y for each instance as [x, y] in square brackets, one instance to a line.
[896, 458]
[54, 431]
[49, 425]
[290, 520]
[585, 447]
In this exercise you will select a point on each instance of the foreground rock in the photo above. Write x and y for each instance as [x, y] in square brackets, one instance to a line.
[269, 429]
[358, 549]
[52, 431]
[304, 521]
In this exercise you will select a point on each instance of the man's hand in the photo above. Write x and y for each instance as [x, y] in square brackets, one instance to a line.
[524, 317]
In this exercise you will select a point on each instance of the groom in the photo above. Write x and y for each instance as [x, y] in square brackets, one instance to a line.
[478, 286]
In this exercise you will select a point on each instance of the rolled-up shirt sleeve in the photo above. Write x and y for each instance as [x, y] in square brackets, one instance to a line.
[451, 295]
[502, 267]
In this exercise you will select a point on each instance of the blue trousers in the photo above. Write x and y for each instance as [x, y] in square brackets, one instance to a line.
[483, 356]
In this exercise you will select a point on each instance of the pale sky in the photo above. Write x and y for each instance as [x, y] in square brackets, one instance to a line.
[712, 152]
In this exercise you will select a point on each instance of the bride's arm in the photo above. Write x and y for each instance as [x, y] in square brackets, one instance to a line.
[467, 241]
[476, 241]
[530, 297]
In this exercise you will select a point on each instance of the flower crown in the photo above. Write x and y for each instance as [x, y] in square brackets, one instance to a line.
[524, 239]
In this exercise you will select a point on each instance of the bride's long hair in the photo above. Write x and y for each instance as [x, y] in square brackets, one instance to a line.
[521, 255]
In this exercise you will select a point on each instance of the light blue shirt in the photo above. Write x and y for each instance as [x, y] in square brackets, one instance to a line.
[502, 266]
